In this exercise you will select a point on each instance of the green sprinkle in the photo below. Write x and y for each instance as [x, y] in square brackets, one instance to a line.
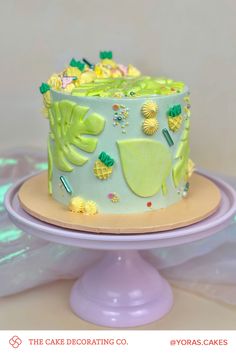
[91, 66]
[186, 187]
[66, 184]
[44, 88]
[167, 137]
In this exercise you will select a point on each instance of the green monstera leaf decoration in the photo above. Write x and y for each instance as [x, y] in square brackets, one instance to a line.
[181, 166]
[69, 123]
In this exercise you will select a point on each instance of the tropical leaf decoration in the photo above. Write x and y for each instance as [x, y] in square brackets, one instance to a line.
[49, 167]
[69, 123]
[180, 169]
[148, 173]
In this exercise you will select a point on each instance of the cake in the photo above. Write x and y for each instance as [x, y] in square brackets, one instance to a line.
[118, 141]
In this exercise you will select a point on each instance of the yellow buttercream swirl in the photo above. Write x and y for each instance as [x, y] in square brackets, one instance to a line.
[72, 71]
[150, 126]
[90, 208]
[149, 109]
[77, 205]
[133, 71]
[55, 82]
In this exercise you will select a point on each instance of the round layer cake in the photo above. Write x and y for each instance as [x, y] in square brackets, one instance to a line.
[119, 141]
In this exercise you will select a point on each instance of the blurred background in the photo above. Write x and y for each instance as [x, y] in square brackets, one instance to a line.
[187, 40]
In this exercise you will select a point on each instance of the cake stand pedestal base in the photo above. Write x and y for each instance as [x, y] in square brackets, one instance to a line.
[121, 290]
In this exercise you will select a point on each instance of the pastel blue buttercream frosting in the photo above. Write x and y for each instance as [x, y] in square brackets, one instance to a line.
[82, 179]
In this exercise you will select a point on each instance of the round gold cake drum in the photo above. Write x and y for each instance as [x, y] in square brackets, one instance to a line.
[203, 199]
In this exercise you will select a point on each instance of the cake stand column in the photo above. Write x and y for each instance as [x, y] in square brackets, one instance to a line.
[121, 290]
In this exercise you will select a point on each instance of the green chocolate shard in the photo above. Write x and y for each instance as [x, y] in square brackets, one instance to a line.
[68, 123]
[146, 164]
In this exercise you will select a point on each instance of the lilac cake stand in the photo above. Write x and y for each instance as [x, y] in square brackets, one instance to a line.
[122, 289]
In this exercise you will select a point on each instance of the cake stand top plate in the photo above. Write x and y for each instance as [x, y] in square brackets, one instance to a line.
[203, 200]
[216, 222]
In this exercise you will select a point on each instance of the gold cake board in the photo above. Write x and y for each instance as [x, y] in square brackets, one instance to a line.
[202, 201]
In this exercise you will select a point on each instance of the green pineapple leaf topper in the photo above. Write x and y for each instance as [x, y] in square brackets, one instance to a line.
[106, 159]
[174, 111]
[44, 88]
[106, 55]
[77, 64]
[69, 123]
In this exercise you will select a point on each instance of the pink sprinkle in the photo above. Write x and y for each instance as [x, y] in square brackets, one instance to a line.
[110, 195]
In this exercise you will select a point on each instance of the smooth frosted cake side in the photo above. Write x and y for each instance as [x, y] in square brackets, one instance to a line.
[117, 144]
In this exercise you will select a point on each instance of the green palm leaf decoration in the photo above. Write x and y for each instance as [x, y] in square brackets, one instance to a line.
[69, 123]
[182, 154]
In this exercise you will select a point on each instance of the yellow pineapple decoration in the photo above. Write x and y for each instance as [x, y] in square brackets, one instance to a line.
[174, 118]
[103, 166]
[45, 91]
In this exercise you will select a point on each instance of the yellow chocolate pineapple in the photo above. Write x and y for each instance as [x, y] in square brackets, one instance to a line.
[103, 166]
[174, 118]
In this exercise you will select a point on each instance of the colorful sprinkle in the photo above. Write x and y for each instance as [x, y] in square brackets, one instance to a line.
[149, 204]
[66, 184]
[88, 63]
[114, 198]
[121, 114]
[115, 107]
[167, 137]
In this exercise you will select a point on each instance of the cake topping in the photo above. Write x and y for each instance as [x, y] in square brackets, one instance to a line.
[109, 79]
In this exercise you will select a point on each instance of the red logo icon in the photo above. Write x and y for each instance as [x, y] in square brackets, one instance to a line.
[15, 342]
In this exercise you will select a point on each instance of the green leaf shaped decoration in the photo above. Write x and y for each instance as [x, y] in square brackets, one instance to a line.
[49, 167]
[68, 123]
[146, 165]
[182, 154]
